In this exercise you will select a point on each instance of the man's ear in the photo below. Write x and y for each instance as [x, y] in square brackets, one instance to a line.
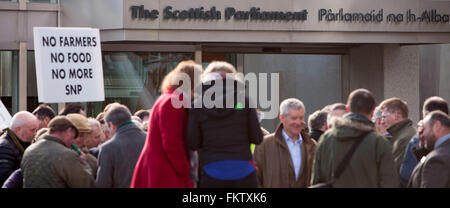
[17, 130]
[281, 118]
[436, 126]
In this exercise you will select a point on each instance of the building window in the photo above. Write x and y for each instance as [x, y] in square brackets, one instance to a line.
[134, 78]
[9, 68]
[9, 0]
[43, 1]
[130, 78]
[32, 94]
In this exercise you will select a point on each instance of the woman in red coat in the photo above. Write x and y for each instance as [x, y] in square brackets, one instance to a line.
[164, 160]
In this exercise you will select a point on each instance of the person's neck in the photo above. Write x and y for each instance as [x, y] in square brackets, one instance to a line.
[124, 124]
[22, 142]
[61, 138]
[367, 116]
[441, 135]
[292, 136]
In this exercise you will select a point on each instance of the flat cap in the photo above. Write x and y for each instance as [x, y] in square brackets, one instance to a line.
[62, 121]
[80, 121]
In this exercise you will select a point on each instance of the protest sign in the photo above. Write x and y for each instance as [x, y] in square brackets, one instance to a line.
[5, 117]
[68, 64]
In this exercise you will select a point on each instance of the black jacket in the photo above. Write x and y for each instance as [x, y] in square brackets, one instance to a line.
[223, 133]
[10, 156]
[315, 134]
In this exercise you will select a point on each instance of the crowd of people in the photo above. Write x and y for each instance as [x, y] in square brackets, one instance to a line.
[357, 144]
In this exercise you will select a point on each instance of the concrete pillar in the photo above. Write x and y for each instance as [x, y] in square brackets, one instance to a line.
[198, 54]
[22, 4]
[345, 77]
[22, 76]
[364, 69]
[401, 76]
[240, 62]
[444, 66]
[429, 67]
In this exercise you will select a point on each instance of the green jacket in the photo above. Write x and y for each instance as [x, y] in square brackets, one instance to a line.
[372, 164]
[401, 133]
[50, 164]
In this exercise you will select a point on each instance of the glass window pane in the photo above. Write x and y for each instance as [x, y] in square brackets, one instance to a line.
[9, 67]
[9, 0]
[130, 78]
[134, 78]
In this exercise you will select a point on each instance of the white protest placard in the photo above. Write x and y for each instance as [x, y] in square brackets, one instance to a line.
[68, 64]
[5, 117]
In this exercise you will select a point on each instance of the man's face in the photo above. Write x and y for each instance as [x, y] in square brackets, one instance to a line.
[106, 132]
[80, 140]
[95, 137]
[426, 135]
[294, 121]
[27, 132]
[43, 123]
[389, 118]
[112, 129]
[69, 137]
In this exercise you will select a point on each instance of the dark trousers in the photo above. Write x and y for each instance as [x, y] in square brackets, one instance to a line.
[207, 181]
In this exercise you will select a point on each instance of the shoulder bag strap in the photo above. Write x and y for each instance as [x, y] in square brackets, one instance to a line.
[348, 156]
[16, 141]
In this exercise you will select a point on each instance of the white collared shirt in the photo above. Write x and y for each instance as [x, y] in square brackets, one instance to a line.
[295, 150]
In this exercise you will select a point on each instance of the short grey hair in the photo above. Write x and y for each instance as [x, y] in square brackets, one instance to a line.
[20, 119]
[291, 103]
[118, 114]
[94, 122]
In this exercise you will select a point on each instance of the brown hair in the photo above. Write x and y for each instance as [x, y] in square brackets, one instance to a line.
[189, 67]
[361, 101]
[435, 103]
[395, 105]
[441, 117]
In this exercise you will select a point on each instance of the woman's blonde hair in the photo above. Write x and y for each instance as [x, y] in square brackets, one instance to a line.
[192, 69]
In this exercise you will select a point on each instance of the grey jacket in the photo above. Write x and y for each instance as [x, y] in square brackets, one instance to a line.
[117, 157]
[434, 170]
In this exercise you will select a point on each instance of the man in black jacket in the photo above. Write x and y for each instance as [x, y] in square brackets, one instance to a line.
[14, 141]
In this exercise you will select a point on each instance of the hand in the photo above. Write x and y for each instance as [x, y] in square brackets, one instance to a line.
[83, 156]
[420, 133]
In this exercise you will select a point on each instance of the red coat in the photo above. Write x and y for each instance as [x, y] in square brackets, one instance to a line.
[164, 161]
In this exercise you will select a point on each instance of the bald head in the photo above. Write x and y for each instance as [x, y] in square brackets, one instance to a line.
[24, 125]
